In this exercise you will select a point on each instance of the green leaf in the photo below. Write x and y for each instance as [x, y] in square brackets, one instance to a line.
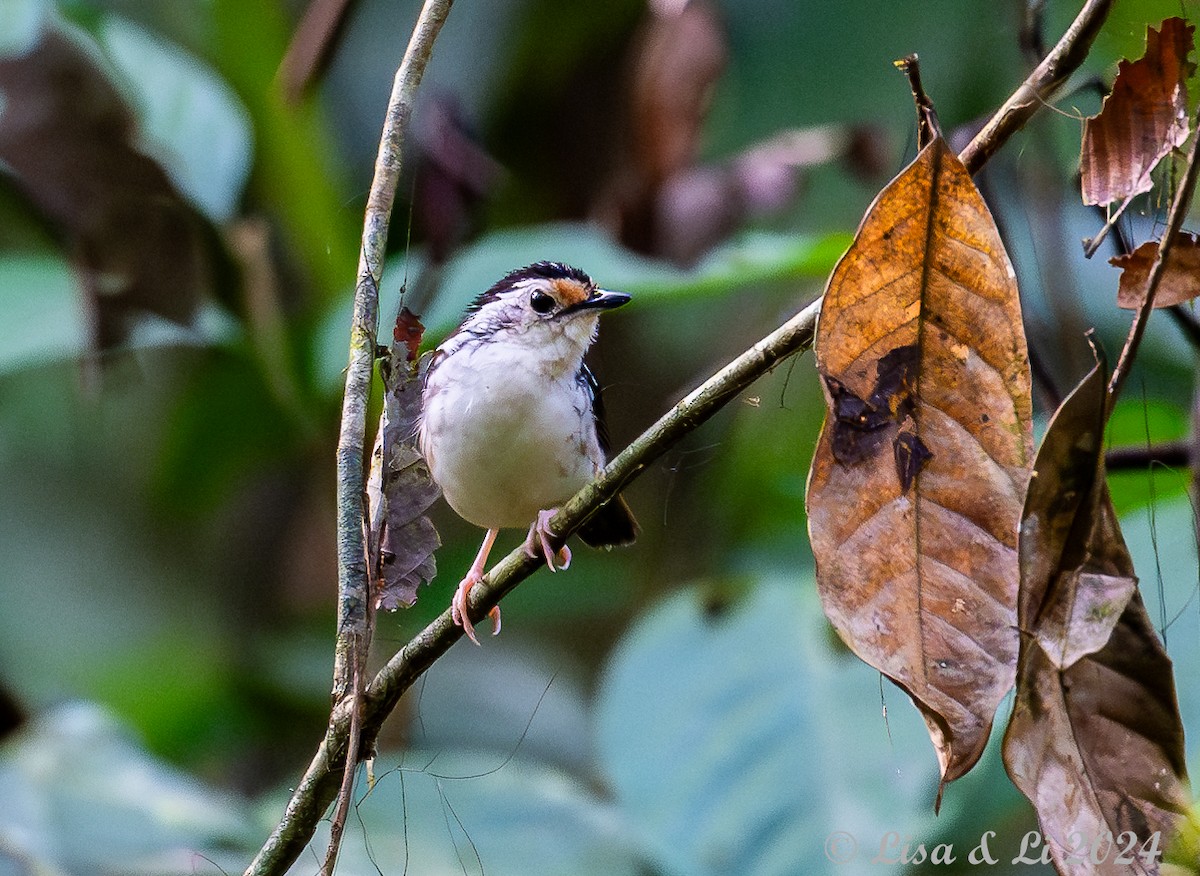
[81, 797]
[43, 315]
[191, 122]
[738, 740]
[455, 813]
[21, 22]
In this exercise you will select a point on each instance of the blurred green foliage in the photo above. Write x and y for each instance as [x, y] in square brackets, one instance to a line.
[166, 523]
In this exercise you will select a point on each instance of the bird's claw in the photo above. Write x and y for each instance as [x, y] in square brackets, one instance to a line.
[458, 608]
[538, 542]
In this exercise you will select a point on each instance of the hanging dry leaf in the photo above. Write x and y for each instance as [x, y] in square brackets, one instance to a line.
[68, 141]
[678, 58]
[916, 489]
[1142, 119]
[1095, 740]
[400, 489]
[1180, 281]
[681, 55]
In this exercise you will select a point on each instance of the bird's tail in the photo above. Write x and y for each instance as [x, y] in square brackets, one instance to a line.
[611, 526]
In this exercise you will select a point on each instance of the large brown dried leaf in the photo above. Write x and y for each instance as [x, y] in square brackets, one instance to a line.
[1180, 280]
[400, 489]
[68, 139]
[1142, 119]
[916, 489]
[1095, 740]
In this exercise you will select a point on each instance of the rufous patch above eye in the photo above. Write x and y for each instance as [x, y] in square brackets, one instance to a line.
[569, 292]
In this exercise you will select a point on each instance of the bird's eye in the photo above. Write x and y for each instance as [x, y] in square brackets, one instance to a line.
[541, 302]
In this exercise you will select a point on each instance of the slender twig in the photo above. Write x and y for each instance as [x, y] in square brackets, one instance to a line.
[1040, 85]
[354, 615]
[346, 791]
[1091, 244]
[1175, 219]
[928, 127]
[319, 785]
[1176, 454]
[1187, 323]
[311, 45]
[352, 571]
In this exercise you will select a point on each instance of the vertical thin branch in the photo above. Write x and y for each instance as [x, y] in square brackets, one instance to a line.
[928, 127]
[353, 627]
[311, 46]
[1175, 219]
[354, 615]
[346, 791]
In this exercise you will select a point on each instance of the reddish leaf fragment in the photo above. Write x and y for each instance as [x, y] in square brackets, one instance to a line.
[1180, 280]
[1142, 119]
[1095, 740]
[401, 538]
[915, 492]
[408, 333]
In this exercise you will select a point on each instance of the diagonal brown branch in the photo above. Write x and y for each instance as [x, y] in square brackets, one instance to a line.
[319, 785]
[1063, 60]
[1175, 219]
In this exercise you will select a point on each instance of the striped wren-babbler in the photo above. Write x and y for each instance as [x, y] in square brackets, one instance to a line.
[512, 424]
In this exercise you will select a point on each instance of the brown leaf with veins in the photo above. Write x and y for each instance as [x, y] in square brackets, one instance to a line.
[1095, 740]
[1180, 281]
[1142, 119]
[401, 538]
[916, 488]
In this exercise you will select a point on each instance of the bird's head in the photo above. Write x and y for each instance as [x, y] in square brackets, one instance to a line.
[547, 303]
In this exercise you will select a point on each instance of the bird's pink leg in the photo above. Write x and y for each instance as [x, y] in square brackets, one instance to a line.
[539, 538]
[458, 605]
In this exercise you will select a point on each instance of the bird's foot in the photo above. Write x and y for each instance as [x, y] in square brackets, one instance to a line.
[458, 607]
[538, 542]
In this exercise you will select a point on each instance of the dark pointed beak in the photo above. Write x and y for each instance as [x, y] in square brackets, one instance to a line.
[601, 299]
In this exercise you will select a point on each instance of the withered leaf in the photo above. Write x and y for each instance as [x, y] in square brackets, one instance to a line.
[1095, 740]
[68, 140]
[677, 59]
[915, 533]
[401, 538]
[860, 425]
[911, 456]
[1180, 280]
[1142, 119]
